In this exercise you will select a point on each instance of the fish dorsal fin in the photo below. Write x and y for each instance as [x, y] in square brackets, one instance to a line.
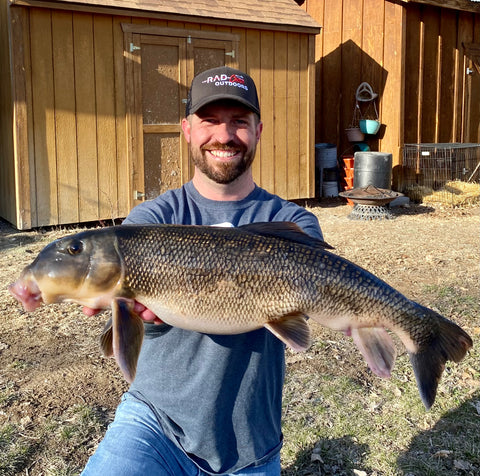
[292, 330]
[377, 348]
[286, 230]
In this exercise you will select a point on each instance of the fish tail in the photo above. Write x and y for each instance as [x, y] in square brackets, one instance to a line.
[450, 342]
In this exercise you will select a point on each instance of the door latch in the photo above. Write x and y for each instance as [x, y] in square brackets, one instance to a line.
[133, 48]
[138, 195]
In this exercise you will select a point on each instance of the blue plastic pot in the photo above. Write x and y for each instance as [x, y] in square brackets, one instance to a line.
[369, 126]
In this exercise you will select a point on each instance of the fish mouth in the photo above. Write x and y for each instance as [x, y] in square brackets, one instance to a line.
[27, 292]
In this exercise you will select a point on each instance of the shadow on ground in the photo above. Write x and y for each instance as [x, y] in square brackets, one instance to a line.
[451, 447]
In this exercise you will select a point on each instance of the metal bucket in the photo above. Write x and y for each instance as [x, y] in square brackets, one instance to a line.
[372, 168]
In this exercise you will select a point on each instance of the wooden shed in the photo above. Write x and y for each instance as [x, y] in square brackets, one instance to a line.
[421, 57]
[93, 92]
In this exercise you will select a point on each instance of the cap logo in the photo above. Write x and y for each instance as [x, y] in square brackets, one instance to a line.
[227, 80]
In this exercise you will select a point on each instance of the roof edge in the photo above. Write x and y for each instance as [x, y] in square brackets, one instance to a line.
[313, 28]
[463, 5]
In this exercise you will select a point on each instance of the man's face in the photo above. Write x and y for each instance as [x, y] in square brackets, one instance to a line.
[223, 137]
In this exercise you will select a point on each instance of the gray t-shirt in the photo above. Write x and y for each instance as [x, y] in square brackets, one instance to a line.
[218, 397]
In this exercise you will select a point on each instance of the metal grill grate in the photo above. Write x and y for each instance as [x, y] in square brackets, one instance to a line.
[370, 212]
[442, 173]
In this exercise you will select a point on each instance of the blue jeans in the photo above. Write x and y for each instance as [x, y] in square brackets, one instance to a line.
[135, 445]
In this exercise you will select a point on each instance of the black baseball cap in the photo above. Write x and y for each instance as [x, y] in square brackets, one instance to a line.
[222, 83]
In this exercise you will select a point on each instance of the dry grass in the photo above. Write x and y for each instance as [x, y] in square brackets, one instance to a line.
[453, 194]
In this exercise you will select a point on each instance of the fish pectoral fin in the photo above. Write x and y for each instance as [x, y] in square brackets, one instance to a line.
[127, 336]
[377, 348]
[106, 339]
[292, 330]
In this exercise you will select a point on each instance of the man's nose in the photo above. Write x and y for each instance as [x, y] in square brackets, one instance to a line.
[224, 132]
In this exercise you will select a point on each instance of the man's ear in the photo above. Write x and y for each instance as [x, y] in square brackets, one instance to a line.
[259, 130]
[186, 129]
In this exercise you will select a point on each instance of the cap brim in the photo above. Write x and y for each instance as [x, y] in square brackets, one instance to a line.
[219, 97]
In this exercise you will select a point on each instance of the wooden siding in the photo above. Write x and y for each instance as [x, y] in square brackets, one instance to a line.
[76, 162]
[7, 166]
[437, 106]
[414, 56]
[361, 40]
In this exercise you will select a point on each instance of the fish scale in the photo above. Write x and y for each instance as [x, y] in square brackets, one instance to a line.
[234, 280]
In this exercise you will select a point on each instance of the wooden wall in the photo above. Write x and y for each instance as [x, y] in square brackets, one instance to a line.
[412, 54]
[72, 141]
[438, 102]
[7, 169]
[361, 40]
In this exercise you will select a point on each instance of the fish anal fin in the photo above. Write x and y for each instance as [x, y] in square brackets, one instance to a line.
[127, 336]
[106, 339]
[377, 348]
[292, 330]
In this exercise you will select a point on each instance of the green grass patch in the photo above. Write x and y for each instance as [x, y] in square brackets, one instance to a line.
[15, 451]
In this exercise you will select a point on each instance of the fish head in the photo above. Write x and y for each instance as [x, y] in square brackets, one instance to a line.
[84, 268]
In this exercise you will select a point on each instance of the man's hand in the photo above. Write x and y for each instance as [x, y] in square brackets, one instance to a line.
[139, 309]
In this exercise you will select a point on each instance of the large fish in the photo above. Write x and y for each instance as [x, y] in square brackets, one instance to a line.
[235, 280]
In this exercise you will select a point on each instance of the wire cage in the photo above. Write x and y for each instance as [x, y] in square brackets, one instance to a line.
[447, 174]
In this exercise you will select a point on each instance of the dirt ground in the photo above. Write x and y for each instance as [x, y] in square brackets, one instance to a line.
[50, 359]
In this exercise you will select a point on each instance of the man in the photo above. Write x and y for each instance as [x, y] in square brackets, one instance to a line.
[206, 404]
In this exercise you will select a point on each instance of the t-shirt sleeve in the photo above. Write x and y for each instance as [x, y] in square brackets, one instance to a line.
[148, 212]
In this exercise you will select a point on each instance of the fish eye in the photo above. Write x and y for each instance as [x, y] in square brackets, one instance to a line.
[75, 248]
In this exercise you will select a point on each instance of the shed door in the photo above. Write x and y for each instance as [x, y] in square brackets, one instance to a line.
[163, 69]
[471, 103]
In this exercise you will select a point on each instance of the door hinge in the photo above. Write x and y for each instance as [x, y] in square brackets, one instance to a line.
[138, 195]
[230, 53]
[133, 48]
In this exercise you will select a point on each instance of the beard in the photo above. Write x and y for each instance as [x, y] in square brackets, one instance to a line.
[222, 172]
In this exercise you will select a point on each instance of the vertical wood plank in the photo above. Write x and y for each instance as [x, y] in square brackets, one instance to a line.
[332, 72]
[351, 75]
[448, 36]
[123, 180]
[304, 131]
[242, 59]
[315, 8]
[431, 20]
[266, 98]
[464, 35]
[372, 42]
[281, 114]
[65, 127]
[86, 116]
[412, 79]
[43, 117]
[372, 58]
[475, 111]
[253, 68]
[293, 119]
[394, 64]
[105, 100]
[16, 192]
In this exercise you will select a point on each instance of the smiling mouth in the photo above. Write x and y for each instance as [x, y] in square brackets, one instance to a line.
[223, 154]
